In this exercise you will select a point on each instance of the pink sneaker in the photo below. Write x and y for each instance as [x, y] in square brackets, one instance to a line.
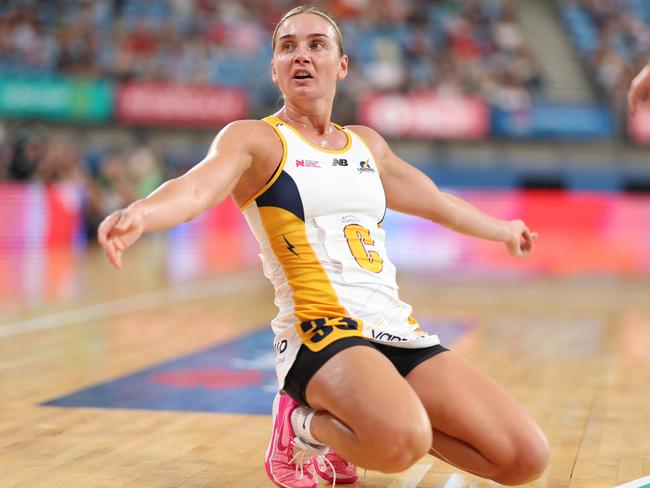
[336, 469]
[288, 460]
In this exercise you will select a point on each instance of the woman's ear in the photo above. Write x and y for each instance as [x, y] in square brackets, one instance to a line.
[343, 68]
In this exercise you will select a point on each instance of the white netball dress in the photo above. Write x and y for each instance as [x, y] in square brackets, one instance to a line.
[318, 223]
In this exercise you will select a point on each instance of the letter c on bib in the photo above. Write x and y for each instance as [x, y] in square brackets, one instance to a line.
[358, 238]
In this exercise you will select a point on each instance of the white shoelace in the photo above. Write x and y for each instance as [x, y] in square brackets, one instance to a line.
[322, 462]
[303, 453]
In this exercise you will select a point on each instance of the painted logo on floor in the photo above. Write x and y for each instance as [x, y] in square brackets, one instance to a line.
[234, 377]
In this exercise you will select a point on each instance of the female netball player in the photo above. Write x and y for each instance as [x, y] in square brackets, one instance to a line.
[360, 377]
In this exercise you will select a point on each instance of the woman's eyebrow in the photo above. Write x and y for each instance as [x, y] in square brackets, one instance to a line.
[315, 34]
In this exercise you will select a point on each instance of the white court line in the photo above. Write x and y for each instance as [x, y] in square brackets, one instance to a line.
[176, 294]
[640, 483]
[455, 481]
[411, 477]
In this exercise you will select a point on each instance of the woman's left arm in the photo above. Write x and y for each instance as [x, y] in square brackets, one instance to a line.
[410, 191]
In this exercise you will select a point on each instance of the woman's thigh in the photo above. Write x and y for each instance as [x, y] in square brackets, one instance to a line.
[360, 387]
[466, 404]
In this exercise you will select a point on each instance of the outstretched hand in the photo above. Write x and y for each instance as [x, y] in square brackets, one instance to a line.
[639, 89]
[522, 240]
[118, 232]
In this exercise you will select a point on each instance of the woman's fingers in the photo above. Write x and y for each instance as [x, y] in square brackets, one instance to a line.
[105, 228]
[124, 222]
[113, 235]
[527, 242]
[112, 253]
[119, 243]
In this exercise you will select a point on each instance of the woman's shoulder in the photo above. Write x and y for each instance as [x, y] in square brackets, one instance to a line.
[251, 133]
[248, 128]
[373, 139]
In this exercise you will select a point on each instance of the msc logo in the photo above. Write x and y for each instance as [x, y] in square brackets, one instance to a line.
[364, 167]
[339, 162]
[307, 163]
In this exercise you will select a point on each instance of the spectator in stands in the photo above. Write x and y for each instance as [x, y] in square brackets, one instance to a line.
[27, 151]
[621, 44]
[110, 189]
[143, 168]
[61, 161]
[462, 47]
[34, 155]
[396, 46]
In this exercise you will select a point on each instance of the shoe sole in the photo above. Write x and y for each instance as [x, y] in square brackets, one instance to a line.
[270, 448]
[339, 480]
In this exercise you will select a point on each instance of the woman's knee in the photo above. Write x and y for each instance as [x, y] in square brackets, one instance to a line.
[527, 462]
[396, 446]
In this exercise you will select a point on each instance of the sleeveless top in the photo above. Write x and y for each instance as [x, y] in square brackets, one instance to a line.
[318, 224]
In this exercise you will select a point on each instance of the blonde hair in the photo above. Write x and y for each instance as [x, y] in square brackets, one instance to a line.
[310, 9]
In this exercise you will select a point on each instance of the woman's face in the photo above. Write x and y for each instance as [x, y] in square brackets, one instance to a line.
[306, 59]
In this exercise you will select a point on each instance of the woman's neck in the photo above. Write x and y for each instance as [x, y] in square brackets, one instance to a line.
[315, 119]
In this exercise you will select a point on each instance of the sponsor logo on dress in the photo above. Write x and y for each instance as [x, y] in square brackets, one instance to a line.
[339, 162]
[386, 337]
[307, 163]
[290, 247]
[350, 219]
[364, 167]
[281, 346]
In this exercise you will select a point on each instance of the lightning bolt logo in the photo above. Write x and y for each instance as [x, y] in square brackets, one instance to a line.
[290, 246]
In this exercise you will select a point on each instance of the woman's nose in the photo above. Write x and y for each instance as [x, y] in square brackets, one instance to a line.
[301, 56]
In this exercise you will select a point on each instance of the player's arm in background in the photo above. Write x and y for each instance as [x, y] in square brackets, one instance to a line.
[639, 88]
[410, 191]
[181, 199]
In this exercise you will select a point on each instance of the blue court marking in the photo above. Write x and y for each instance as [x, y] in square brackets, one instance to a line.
[233, 377]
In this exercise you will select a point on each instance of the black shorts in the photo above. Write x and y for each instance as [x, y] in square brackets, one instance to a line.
[307, 363]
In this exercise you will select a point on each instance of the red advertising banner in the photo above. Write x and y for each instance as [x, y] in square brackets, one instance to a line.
[163, 104]
[581, 233]
[426, 115]
[639, 125]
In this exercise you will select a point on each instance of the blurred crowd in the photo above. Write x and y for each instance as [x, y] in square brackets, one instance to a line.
[613, 38]
[114, 176]
[472, 47]
[454, 46]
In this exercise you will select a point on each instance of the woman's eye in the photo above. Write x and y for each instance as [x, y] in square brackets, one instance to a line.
[316, 44]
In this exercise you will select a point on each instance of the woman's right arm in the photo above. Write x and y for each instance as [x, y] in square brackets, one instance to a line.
[181, 199]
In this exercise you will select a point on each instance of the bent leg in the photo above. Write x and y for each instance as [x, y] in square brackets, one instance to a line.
[367, 412]
[477, 425]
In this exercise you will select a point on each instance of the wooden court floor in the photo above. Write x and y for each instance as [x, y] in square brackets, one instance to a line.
[575, 351]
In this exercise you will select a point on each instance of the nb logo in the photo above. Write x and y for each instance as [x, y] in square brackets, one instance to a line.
[339, 162]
